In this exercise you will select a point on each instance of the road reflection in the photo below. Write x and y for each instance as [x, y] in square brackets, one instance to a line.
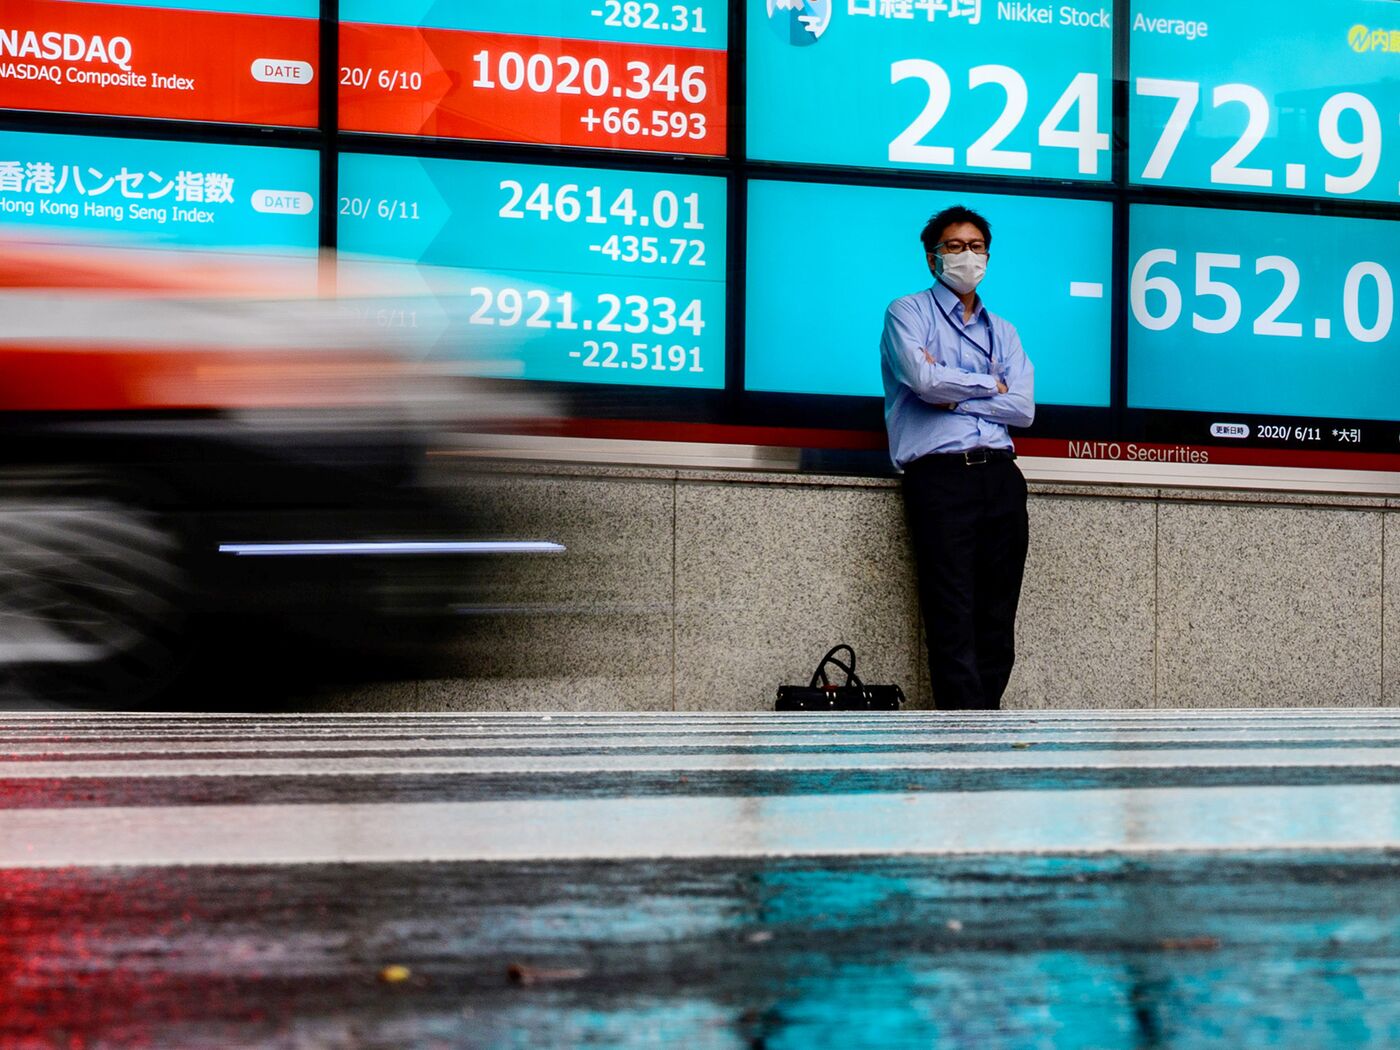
[1181, 951]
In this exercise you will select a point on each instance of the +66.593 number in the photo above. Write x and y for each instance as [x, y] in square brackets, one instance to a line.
[1271, 322]
[986, 152]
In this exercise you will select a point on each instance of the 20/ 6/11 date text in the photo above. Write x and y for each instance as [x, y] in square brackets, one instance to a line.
[385, 208]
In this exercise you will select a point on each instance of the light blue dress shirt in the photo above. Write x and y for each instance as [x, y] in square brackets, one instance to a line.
[930, 358]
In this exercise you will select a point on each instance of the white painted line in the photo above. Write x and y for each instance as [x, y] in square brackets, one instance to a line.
[523, 741]
[560, 727]
[551, 740]
[552, 731]
[555, 721]
[975, 761]
[1086, 290]
[1123, 716]
[736, 743]
[1018, 822]
[669, 717]
[595, 741]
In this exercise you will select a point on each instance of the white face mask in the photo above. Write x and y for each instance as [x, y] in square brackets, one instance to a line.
[962, 272]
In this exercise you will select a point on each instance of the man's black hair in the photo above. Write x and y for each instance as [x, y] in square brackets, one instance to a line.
[933, 231]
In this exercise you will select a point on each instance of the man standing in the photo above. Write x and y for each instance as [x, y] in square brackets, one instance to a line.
[955, 378]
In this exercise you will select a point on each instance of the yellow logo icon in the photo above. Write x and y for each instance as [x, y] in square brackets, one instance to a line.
[1363, 39]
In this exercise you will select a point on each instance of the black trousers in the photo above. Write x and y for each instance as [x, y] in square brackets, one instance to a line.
[969, 529]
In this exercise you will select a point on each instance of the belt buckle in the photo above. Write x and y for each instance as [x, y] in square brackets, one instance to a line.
[975, 456]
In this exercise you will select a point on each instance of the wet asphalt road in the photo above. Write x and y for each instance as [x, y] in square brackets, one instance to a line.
[1023, 880]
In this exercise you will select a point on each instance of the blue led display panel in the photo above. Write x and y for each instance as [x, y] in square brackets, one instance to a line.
[561, 273]
[1018, 89]
[1249, 198]
[1295, 97]
[148, 193]
[824, 262]
[1236, 311]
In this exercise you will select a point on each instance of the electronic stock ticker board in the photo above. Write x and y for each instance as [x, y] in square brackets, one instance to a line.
[1249, 305]
[596, 73]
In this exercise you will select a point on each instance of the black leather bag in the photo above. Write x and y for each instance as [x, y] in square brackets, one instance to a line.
[855, 695]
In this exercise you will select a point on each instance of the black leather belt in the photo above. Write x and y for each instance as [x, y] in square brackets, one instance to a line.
[971, 458]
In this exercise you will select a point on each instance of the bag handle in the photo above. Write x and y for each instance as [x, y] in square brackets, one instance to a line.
[830, 658]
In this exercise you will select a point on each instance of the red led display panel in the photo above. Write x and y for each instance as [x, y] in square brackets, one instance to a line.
[235, 61]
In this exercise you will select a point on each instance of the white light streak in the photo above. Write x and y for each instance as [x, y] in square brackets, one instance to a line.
[393, 547]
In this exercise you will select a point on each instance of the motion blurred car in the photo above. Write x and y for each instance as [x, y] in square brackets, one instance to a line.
[209, 470]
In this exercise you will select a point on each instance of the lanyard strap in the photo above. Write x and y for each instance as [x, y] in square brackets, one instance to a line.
[991, 334]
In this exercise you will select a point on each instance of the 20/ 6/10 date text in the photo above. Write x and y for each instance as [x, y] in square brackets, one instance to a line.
[365, 77]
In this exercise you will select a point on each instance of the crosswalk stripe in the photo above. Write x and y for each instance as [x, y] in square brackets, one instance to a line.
[1013, 822]
[396, 725]
[503, 718]
[1282, 758]
[996, 782]
[635, 742]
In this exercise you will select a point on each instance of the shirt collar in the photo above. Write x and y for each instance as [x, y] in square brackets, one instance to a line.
[952, 305]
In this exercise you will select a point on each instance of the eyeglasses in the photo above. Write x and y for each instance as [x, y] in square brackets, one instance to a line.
[958, 247]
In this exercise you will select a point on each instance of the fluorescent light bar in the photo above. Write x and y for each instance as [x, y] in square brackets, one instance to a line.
[395, 547]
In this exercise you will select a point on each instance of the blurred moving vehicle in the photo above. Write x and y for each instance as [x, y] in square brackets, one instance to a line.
[205, 467]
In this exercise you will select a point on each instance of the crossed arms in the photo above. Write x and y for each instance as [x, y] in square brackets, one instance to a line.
[1009, 400]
